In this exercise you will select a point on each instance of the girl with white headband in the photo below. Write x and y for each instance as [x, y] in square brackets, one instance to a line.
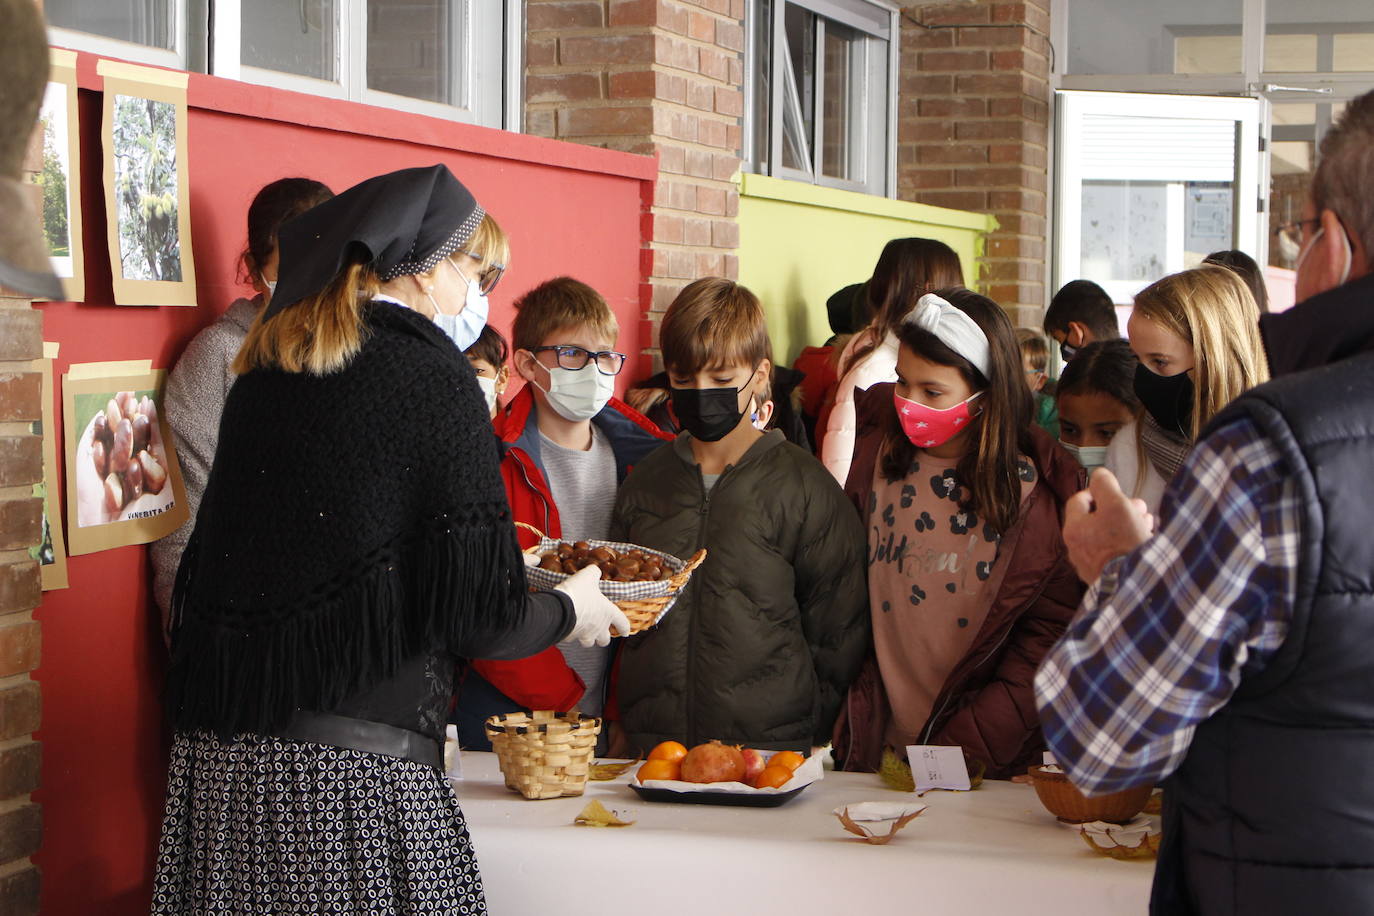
[969, 584]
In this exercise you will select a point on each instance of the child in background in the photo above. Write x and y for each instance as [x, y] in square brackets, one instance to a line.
[568, 444]
[1080, 313]
[200, 380]
[847, 312]
[905, 269]
[1096, 399]
[488, 357]
[1035, 361]
[771, 629]
[969, 581]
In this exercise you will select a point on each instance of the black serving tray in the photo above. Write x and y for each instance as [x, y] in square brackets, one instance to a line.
[737, 799]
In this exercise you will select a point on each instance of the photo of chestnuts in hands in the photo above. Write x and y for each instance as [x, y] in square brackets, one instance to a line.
[616, 565]
[121, 464]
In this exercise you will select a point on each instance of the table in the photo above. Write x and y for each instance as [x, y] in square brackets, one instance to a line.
[991, 851]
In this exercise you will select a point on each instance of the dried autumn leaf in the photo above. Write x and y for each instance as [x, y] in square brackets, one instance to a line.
[877, 839]
[1146, 849]
[596, 814]
[604, 772]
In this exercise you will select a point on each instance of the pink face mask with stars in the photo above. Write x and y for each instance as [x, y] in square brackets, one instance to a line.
[928, 427]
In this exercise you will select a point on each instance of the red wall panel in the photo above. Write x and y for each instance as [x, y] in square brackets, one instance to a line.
[568, 210]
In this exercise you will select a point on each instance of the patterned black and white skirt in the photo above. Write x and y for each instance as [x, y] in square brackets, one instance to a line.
[269, 826]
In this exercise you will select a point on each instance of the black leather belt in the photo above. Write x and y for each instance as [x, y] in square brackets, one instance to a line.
[362, 735]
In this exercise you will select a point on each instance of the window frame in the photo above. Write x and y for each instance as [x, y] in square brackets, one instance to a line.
[208, 39]
[181, 56]
[877, 153]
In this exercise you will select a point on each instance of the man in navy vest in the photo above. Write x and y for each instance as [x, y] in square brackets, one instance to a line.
[1231, 654]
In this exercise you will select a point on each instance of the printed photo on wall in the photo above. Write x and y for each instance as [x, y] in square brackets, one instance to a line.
[60, 176]
[147, 194]
[52, 553]
[123, 481]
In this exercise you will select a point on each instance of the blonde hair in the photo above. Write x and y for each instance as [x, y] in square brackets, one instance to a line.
[1033, 348]
[1213, 310]
[714, 323]
[557, 305]
[488, 244]
[321, 333]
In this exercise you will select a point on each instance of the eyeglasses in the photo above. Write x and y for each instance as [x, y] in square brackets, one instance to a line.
[1293, 228]
[608, 362]
[489, 277]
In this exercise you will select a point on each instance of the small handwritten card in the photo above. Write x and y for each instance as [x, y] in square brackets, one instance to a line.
[935, 767]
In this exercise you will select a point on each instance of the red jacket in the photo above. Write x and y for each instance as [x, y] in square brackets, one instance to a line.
[987, 704]
[545, 681]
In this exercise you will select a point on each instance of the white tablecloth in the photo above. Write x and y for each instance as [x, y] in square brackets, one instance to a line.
[991, 851]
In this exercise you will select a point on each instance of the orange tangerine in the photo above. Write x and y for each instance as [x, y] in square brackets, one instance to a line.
[789, 759]
[668, 750]
[773, 777]
[661, 769]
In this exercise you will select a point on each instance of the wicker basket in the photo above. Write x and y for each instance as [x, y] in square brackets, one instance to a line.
[1064, 801]
[544, 754]
[644, 603]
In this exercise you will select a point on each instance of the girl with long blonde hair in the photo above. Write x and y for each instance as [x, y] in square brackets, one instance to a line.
[1196, 334]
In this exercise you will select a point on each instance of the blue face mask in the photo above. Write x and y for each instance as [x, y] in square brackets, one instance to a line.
[1091, 457]
[465, 327]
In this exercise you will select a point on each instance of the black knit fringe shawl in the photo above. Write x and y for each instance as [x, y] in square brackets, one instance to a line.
[351, 521]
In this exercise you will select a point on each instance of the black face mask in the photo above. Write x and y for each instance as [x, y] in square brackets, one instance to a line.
[1168, 398]
[707, 413]
[1067, 352]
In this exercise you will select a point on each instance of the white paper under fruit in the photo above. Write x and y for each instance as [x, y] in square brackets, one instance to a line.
[810, 771]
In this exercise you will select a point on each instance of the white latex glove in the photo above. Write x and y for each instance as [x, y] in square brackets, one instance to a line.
[596, 614]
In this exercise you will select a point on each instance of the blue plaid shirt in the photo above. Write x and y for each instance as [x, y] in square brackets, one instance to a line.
[1176, 623]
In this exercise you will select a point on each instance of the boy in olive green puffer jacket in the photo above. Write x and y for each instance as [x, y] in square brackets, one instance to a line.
[772, 628]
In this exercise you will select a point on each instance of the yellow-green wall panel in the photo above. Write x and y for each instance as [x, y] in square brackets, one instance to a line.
[799, 243]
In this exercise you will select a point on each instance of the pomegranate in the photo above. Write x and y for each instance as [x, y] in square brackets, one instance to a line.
[713, 762]
[753, 765]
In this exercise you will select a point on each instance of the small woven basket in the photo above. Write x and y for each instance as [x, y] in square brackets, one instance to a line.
[644, 603]
[544, 754]
[1065, 802]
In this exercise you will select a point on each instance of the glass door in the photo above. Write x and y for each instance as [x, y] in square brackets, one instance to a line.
[1150, 184]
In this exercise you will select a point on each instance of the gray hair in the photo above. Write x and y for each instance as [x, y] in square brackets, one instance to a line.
[1344, 180]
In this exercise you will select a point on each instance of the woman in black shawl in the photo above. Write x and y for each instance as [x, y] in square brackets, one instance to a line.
[354, 538]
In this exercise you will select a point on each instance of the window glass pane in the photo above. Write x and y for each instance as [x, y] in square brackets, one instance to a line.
[1207, 54]
[1297, 131]
[841, 102]
[1353, 52]
[413, 48]
[1162, 36]
[144, 22]
[799, 122]
[299, 38]
[760, 130]
[1319, 36]
[1290, 53]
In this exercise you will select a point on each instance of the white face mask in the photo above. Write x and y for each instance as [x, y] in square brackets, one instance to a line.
[488, 386]
[271, 286]
[1091, 457]
[578, 394]
[465, 327]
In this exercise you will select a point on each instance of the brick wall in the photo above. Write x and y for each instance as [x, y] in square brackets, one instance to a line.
[657, 77]
[973, 132]
[21, 466]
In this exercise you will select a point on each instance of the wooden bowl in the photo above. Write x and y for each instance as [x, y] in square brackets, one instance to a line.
[1065, 802]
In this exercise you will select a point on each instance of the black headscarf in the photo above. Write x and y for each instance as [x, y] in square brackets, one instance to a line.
[401, 223]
